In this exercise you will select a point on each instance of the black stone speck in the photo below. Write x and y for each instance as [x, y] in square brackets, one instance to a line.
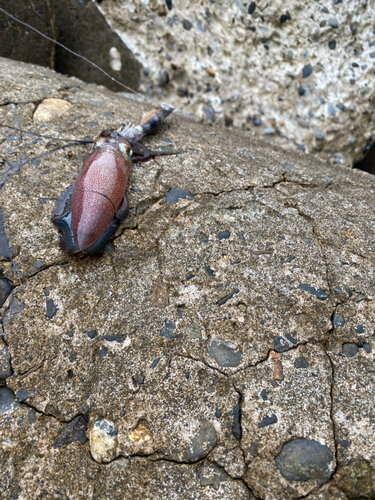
[224, 355]
[74, 431]
[284, 18]
[349, 350]
[174, 195]
[359, 329]
[102, 352]
[190, 276]
[332, 44]
[319, 293]
[338, 320]
[217, 413]
[367, 348]
[303, 459]
[266, 421]
[6, 399]
[301, 363]
[290, 338]
[251, 7]
[155, 363]
[227, 297]
[280, 344]
[169, 4]
[257, 122]
[187, 24]
[223, 235]
[92, 334]
[307, 70]
[263, 395]
[51, 308]
[210, 271]
[22, 395]
[168, 330]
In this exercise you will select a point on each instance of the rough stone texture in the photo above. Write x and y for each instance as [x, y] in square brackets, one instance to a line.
[205, 333]
[298, 72]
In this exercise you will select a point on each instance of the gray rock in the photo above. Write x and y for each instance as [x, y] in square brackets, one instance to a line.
[349, 350]
[225, 354]
[7, 399]
[6, 287]
[175, 194]
[202, 442]
[305, 459]
[212, 475]
[74, 431]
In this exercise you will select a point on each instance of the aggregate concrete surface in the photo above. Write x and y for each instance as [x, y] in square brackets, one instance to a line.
[223, 345]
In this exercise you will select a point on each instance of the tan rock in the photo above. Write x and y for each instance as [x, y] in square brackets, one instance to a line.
[51, 109]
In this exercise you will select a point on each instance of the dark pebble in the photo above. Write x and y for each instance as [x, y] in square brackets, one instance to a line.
[332, 44]
[301, 147]
[103, 352]
[303, 459]
[301, 363]
[210, 271]
[187, 24]
[289, 337]
[223, 235]
[163, 78]
[113, 338]
[6, 287]
[333, 22]
[92, 334]
[187, 375]
[175, 194]
[31, 416]
[251, 7]
[263, 395]
[182, 91]
[189, 276]
[224, 355]
[74, 431]
[202, 442]
[257, 122]
[319, 293]
[284, 18]
[6, 399]
[217, 413]
[280, 344]
[302, 91]
[227, 297]
[338, 320]
[22, 395]
[169, 4]
[204, 239]
[210, 113]
[307, 70]
[168, 330]
[38, 264]
[367, 348]
[359, 329]
[155, 363]
[139, 378]
[266, 421]
[51, 308]
[211, 475]
[352, 81]
[349, 350]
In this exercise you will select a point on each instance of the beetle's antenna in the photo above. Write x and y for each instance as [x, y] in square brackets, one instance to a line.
[74, 53]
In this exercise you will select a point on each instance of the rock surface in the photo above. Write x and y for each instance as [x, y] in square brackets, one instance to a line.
[211, 333]
[300, 73]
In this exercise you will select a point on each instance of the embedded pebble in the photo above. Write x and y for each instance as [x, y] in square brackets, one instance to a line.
[202, 442]
[226, 354]
[50, 109]
[175, 194]
[74, 431]
[103, 440]
[349, 350]
[303, 459]
[6, 287]
[7, 399]
[212, 475]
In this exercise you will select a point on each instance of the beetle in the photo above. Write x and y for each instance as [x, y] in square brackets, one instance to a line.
[89, 211]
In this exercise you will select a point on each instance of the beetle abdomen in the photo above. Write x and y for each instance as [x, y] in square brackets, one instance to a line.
[98, 193]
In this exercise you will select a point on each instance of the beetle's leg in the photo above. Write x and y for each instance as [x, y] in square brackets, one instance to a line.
[141, 153]
[62, 218]
[97, 248]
